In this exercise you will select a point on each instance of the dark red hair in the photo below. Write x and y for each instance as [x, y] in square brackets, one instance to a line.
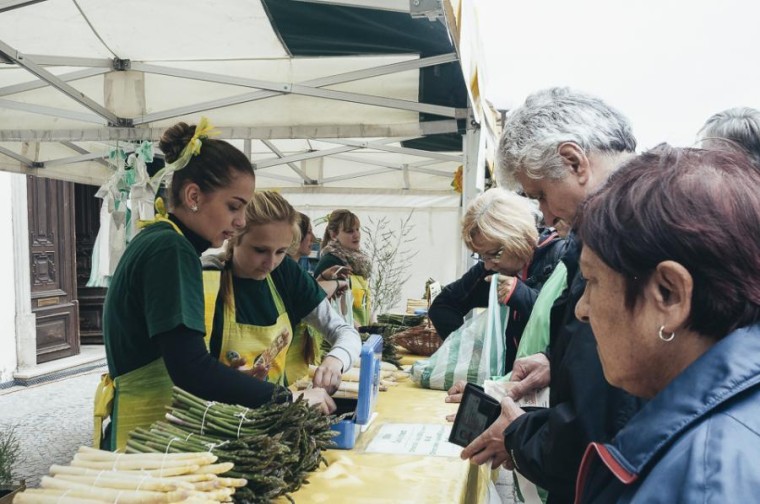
[696, 207]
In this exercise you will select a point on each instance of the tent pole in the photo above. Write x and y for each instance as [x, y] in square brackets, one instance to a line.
[473, 178]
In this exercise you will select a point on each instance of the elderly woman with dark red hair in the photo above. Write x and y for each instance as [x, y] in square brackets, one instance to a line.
[672, 261]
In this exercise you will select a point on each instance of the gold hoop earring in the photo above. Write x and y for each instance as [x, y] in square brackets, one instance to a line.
[663, 337]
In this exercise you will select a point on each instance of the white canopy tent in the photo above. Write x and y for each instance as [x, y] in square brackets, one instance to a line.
[338, 103]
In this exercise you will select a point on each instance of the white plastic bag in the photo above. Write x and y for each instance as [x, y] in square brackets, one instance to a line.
[474, 352]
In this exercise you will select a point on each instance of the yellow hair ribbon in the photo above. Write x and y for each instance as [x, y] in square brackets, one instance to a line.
[161, 216]
[203, 129]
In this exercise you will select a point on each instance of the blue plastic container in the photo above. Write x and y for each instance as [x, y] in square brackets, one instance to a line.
[369, 385]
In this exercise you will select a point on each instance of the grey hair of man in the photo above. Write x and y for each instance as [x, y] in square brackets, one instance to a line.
[534, 131]
[735, 128]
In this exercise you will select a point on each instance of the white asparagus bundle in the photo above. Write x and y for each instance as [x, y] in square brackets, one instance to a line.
[45, 496]
[141, 464]
[150, 478]
[127, 481]
[384, 366]
[353, 374]
[89, 453]
[220, 468]
[156, 473]
[113, 494]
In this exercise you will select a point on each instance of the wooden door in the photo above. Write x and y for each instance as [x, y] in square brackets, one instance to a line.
[52, 259]
[91, 299]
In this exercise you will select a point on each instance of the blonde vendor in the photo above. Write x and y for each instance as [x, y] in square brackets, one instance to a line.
[255, 302]
[153, 319]
[341, 246]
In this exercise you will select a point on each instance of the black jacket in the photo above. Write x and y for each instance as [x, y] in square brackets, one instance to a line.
[547, 445]
[449, 308]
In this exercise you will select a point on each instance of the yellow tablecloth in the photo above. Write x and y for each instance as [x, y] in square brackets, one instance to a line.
[407, 358]
[357, 477]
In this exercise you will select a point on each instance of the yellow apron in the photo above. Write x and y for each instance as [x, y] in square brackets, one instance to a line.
[262, 348]
[362, 306]
[135, 399]
[305, 349]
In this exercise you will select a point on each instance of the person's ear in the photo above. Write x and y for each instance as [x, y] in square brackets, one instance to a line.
[191, 196]
[671, 287]
[575, 160]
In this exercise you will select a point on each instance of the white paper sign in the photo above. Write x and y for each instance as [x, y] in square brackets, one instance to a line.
[414, 439]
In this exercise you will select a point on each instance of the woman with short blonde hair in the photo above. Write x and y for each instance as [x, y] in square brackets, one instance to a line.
[499, 226]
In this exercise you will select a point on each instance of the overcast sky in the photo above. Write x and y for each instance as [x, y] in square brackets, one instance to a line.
[666, 64]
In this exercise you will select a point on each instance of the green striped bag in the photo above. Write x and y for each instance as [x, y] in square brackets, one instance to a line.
[474, 352]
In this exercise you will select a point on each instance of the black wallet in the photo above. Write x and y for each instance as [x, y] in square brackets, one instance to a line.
[476, 413]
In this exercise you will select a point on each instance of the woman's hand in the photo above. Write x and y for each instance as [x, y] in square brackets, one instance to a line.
[456, 391]
[455, 396]
[317, 397]
[335, 272]
[328, 374]
[531, 373]
[490, 446]
[507, 285]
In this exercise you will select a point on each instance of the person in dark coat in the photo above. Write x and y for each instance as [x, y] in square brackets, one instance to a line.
[676, 316]
[499, 226]
[559, 147]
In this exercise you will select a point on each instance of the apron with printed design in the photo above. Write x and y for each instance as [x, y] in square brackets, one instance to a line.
[362, 305]
[262, 350]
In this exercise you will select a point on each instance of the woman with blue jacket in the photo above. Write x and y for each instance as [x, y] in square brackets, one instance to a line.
[672, 263]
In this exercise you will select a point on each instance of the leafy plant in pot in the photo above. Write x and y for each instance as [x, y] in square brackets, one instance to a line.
[9, 452]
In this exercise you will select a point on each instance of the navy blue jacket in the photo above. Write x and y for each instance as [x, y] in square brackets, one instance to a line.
[698, 440]
[547, 445]
[455, 301]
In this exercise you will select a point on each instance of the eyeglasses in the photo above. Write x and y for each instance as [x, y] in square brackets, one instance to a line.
[488, 257]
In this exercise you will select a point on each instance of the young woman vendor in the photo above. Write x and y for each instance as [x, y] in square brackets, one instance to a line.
[341, 246]
[261, 294]
[153, 321]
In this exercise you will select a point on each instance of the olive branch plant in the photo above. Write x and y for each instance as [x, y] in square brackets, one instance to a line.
[391, 257]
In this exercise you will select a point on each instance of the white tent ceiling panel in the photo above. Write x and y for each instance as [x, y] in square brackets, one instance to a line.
[214, 29]
[45, 102]
[30, 30]
[224, 59]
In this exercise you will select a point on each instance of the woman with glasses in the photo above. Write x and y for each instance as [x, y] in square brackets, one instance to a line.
[500, 228]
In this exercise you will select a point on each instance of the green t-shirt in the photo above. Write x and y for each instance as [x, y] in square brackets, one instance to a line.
[327, 261]
[156, 287]
[254, 304]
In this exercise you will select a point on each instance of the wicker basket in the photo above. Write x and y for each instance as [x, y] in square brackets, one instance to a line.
[419, 340]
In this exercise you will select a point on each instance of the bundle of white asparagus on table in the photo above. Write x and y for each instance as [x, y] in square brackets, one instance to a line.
[139, 478]
[349, 384]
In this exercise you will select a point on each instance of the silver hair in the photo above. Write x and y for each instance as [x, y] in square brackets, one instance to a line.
[533, 132]
[738, 127]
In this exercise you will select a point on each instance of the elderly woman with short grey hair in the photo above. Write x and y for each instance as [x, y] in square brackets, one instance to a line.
[736, 129]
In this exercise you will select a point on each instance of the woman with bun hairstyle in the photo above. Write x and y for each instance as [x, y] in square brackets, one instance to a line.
[153, 321]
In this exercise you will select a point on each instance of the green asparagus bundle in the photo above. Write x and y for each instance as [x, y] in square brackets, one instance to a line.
[401, 319]
[390, 353]
[274, 447]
